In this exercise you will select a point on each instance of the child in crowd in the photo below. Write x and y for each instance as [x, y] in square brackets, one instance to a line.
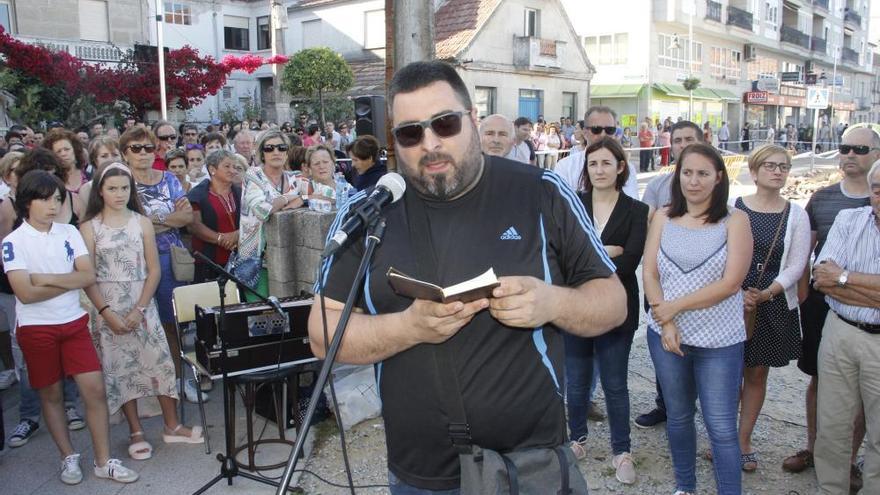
[127, 332]
[47, 263]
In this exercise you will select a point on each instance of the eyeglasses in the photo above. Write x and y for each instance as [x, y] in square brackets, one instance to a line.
[190, 133]
[169, 137]
[609, 130]
[268, 148]
[859, 149]
[137, 148]
[773, 166]
[444, 126]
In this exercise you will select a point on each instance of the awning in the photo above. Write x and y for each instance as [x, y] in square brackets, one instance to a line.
[678, 91]
[726, 95]
[615, 90]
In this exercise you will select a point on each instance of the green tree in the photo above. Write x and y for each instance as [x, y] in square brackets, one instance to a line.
[337, 108]
[316, 71]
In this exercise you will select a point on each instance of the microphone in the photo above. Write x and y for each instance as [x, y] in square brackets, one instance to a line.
[389, 189]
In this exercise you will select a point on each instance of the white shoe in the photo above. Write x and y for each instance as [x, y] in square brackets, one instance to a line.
[191, 391]
[114, 470]
[579, 448]
[71, 474]
[625, 469]
[7, 379]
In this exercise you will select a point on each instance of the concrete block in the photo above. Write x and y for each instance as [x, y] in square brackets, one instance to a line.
[315, 228]
[280, 263]
[306, 264]
[280, 228]
[304, 287]
[283, 289]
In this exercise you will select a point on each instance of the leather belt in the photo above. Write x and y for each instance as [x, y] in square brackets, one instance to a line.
[868, 327]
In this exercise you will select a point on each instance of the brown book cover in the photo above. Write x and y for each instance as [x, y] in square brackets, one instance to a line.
[478, 287]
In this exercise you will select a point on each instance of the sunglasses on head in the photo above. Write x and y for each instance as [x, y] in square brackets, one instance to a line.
[137, 148]
[610, 130]
[859, 149]
[444, 126]
[167, 138]
[268, 148]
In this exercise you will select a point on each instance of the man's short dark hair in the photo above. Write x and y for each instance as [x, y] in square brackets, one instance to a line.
[682, 124]
[522, 121]
[36, 184]
[417, 75]
[599, 109]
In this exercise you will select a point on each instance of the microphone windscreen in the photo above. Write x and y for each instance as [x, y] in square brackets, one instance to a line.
[393, 182]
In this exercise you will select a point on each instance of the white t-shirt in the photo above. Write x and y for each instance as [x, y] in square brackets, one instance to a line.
[28, 249]
[520, 152]
[571, 167]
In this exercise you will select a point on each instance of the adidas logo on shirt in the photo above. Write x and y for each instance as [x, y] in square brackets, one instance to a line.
[511, 235]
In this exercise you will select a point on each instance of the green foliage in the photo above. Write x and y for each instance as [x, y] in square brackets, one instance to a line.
[691, 83]
[336, 108]
[249, 110]
[316, 72]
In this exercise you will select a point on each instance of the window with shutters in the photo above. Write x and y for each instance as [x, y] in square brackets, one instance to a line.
[264, 33]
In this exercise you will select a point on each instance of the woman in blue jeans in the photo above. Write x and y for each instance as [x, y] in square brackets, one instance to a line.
[696, 257]
[622, 224]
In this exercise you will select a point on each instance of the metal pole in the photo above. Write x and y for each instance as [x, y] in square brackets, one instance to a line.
[815, 133]
[691, 59]
[160, 40]
[833, 86]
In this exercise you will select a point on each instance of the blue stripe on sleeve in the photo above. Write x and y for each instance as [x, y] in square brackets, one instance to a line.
[577, 208]
[337, 222]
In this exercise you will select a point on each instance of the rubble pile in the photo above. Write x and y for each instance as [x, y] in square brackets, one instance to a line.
[803, 185]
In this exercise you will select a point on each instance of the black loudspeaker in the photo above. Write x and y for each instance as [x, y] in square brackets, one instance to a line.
[369, 114]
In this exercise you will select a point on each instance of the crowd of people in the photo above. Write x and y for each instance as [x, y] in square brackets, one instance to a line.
[732, 286]
[90, 224]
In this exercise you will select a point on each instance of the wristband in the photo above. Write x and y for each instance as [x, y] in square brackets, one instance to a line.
[218, 238]
[103, 309]
[141, 310]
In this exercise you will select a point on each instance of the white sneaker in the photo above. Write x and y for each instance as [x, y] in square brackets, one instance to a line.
[71, 474]
[7, 379]
[114, 470]
[190, 391]
[579, 448]
[625, 469]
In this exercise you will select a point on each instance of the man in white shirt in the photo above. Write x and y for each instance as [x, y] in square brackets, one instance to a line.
[723, 136]
[599, 121]
[521, 151]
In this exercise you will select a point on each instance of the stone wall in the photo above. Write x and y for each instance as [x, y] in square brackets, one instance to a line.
[294, 241]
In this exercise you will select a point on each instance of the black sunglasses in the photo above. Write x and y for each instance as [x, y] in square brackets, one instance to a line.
[444, 126]
[167, 138]
[137, 148]
[268, 148]
[609, 130]
[859, 149]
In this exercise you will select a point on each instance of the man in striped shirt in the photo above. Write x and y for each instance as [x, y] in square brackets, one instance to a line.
[848, 272]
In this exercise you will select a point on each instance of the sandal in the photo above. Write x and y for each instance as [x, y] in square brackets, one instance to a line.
[139, 451]
[750, 462]
[195, 435]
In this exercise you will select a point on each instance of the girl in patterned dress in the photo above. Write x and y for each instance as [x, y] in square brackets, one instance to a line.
[127, 332]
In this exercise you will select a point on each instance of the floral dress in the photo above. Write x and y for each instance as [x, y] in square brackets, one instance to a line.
[137, 364]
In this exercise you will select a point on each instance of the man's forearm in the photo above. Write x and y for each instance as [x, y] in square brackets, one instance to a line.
[67, 281]
[368, 339]
[849, 296]
[592, 308]
[865, 284]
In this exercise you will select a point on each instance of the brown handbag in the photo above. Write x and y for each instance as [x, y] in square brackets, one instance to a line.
[751, 316]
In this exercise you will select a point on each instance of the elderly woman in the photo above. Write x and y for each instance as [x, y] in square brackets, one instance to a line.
[70, 152]
[216, 204]
[364, 153]
[212, 142]
[320, 167]
[165, 203]
[781, 233]
[267, 188]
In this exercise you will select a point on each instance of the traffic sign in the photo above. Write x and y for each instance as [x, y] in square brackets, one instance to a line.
[817, 98]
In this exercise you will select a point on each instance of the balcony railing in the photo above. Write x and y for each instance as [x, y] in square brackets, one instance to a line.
[739, 17]
[821, 3]
[795, 37]
[713, 11]
[537, 53]
[818, 45]
[852, 17]
[85, 50]
[849, 55]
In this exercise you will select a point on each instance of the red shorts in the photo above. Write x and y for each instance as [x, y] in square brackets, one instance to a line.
[52, 352]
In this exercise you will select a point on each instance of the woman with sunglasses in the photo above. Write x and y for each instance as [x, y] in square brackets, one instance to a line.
[164, 202]
[771, 286]
[165, 138]
[267, 188]
[696, 257]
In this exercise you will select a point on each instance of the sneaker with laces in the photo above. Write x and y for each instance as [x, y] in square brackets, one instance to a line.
[74, 420]
[651, 419]
[114, 470]
[71, 474]
[23, 432]
[579, 448]
[625, 469]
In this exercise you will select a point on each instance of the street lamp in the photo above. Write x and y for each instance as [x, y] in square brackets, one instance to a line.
[676, 44]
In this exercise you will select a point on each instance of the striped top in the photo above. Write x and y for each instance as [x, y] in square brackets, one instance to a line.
[689, 260]
[854, 244]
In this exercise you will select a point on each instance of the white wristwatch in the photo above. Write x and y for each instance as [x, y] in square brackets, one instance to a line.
[844, 276]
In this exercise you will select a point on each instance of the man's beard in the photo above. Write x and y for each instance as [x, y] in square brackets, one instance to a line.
[443, 187]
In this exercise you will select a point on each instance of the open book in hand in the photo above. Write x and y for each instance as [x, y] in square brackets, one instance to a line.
[478, 287]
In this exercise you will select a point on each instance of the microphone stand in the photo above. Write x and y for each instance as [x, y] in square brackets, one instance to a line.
[375, 232]
[228, 467]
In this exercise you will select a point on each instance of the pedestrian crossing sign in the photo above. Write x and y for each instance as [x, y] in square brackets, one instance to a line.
[817, 98]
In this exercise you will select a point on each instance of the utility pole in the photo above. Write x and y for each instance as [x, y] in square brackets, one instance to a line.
[277, 24]
[160, 41]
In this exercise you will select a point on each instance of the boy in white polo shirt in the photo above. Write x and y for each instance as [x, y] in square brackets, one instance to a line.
[47, 264]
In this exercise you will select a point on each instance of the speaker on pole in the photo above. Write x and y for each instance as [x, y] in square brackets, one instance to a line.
[369, 113]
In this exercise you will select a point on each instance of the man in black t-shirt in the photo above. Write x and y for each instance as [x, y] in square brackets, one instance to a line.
[473, 212]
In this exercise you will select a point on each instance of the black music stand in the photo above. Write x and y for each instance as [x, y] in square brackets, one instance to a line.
[375, 232]
[228, 468]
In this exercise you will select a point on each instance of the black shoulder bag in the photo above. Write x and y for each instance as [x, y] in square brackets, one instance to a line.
[483, 470]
